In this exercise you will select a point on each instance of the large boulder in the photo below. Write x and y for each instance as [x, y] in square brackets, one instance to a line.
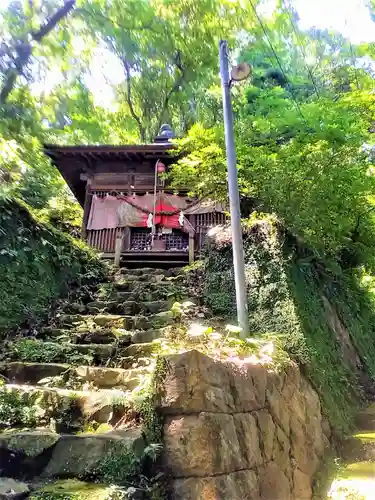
[29, 443]
[80, 456]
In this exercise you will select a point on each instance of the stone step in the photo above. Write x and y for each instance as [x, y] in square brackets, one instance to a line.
[147, 271]
[89, 322]
[78, 354]
[355, 480]
[70, 489]
[47, 455]
[129, 307]
[11, 489]
[125, 285]
[156, 306]
[360, 447]
[123, 338]
[69, 409]
[366, 418]
[97, 335]
[142, 292]
[100, 377]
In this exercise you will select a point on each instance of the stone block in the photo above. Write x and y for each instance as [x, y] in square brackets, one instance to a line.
[12, 490]
[267, 430]
[302, 485]
[202, 445]
[75, 456]
[302, 449]
[248, 437]
[281, 449]
[248, 384]
[196, 383]
[273, 483]
[242, 485]
[278, 408]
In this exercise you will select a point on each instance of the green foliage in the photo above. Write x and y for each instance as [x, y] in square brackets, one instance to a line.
[63, 213]
[169, 67]
[304, 170]
[119, 466]
[334, 380]
[38, 351]
[15, 411]
[294, 297]
[37, 263]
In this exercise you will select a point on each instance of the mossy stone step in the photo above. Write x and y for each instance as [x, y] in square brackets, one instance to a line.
[116, 321]
[103, 352]
[96, 335]
[355, 480]
[30, 373]
[124, 284]
[101, 377]
[104, 320]
[69, 456]
[69, 408]
[146, 336]
[146, 271]
[117, 296]
[366, 418]
[129, 307]
[360, 447]
[79, 354]
[12, 490]
[156, 306]
[79, 456]
[71, 488]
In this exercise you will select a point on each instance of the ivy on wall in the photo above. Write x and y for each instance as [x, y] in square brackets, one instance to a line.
[37, 264]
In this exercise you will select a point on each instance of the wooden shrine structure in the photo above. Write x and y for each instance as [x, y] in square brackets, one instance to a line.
[130, 213]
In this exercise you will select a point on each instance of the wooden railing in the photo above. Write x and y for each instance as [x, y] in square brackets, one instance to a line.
[104, 240]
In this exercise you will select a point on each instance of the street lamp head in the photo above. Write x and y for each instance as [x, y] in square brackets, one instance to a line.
[240, 72]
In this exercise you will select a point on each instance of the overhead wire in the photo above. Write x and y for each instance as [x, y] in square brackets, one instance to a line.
[353, 63]
[296, 104]
[353, 58]
[303, 52]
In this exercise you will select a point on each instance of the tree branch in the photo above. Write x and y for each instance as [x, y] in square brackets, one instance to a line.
[24, 49]
[149, 26]
[178, 82]
[142, 131]
[53, 20]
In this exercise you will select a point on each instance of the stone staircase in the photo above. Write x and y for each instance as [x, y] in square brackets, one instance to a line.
[356, 477]
[67, 397]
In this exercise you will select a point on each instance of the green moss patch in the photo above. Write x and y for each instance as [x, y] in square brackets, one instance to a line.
[37, 264]
[73, 490]
[366, 437]
[288, 293]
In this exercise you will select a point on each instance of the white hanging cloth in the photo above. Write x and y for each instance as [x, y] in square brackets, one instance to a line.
[181, 218]
[150, 219]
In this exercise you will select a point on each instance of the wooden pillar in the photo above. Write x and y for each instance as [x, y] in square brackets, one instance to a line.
[86, 208]
[126, 238]
[191, 248]
[118, 248]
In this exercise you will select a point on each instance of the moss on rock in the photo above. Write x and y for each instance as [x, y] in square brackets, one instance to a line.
[31, 443]
[37, 257]
[317, 310]
[72, 490]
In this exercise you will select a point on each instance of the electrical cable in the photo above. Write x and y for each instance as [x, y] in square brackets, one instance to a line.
[297, 106]
[300, 45]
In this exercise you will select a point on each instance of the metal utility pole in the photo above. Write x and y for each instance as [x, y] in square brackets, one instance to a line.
[234, 197]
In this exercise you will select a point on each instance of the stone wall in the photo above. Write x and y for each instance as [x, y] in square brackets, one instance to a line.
[239, 431]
